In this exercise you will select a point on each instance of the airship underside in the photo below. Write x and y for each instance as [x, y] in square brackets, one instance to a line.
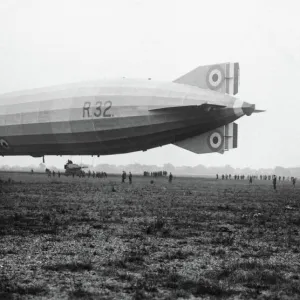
[196, 112]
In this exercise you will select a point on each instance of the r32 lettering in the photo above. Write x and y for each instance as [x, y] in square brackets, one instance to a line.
[97, 111]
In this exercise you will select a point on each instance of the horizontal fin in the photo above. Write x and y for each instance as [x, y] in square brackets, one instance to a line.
[218, 140]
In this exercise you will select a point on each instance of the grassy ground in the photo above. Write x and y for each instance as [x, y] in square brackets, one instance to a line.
[73, 238]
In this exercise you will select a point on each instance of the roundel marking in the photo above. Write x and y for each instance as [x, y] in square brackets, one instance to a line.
[215, 141]
[215, 77]
[4, 144]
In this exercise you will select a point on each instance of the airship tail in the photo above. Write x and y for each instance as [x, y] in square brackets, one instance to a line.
[223, 78]
[218, 140]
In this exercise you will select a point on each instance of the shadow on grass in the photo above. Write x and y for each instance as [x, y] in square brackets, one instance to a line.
[25, 223]
[201, 287]
[73, 267]
[8, 289]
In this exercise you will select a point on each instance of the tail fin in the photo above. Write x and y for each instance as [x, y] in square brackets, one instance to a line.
[223, 78]
[219, 140]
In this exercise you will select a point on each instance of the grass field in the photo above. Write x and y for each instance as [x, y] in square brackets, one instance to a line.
[73, 238]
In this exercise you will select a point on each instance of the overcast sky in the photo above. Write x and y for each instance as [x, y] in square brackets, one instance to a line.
[47, 42]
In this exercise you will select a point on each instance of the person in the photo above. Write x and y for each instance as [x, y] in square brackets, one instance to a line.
[130, 178]
[250, 179]
[58, 174]
[170, 177]
[48, 172]
[217, 176]
[294, 181]
[123, 176]
[274, 182]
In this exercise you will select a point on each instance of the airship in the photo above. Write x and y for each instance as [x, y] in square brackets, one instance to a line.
[196, 112]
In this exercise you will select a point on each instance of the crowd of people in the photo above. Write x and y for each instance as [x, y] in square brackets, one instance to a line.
[88, 174]
[274, 178]
[155, 174]
[163, 173]
[250, 178]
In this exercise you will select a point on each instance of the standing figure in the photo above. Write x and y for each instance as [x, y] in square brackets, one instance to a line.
[170, 177]
[250, 179]
[274, 182]
[130, 178]
[123, 176]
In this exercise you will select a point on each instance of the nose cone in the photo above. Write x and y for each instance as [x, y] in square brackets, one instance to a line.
[248, 108]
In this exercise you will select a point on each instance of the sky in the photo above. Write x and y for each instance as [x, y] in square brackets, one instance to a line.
[48, 42]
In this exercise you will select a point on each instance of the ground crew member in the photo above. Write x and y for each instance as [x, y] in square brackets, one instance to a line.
[123, 176]
[170, 177]
[274, 182]
[130, 178]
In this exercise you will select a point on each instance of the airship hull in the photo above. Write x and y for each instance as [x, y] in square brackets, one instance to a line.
[195, 112]
[97, 119]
